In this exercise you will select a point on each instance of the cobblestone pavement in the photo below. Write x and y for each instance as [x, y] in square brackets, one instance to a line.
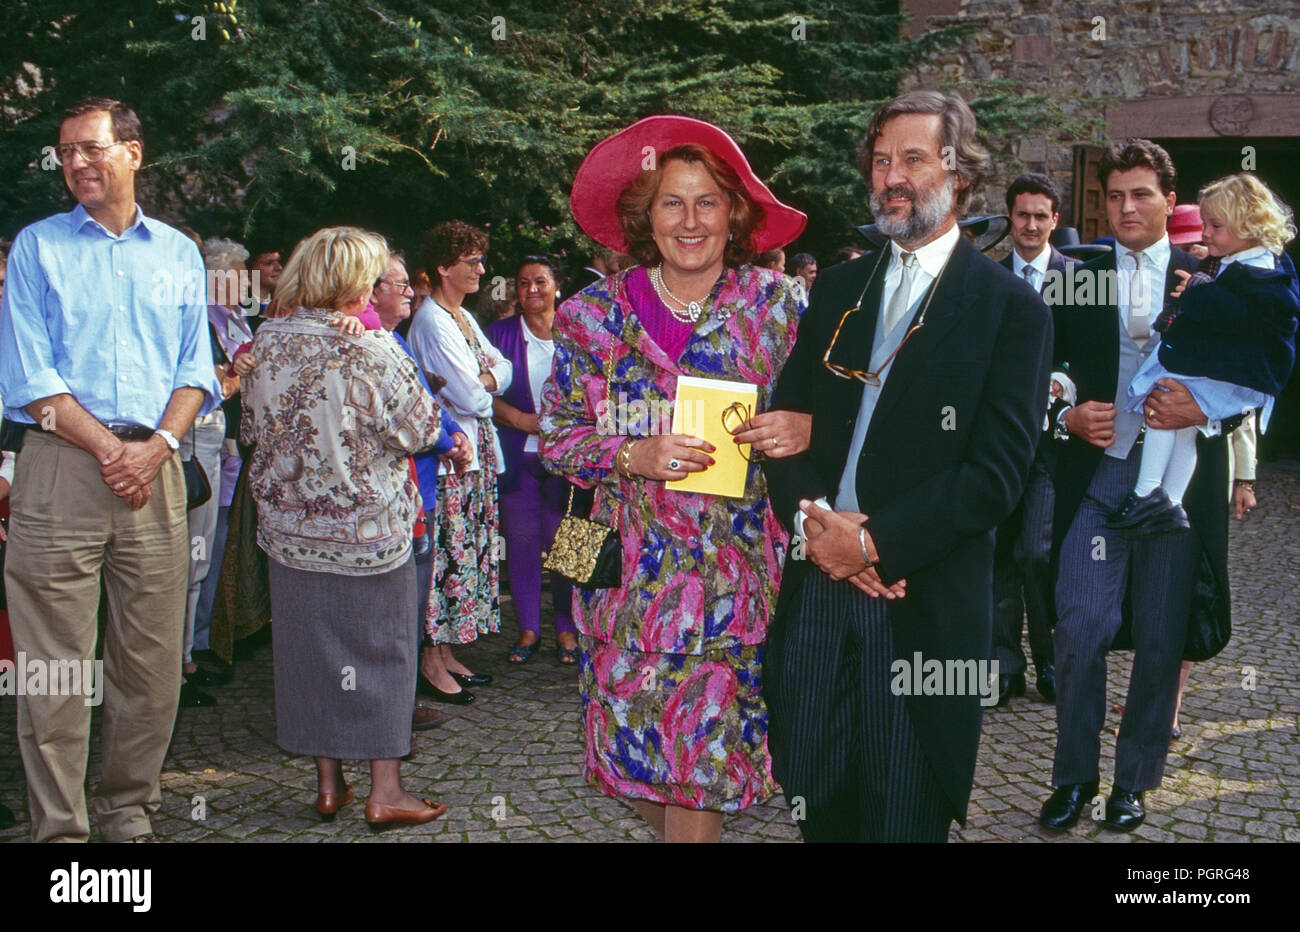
[508, 766]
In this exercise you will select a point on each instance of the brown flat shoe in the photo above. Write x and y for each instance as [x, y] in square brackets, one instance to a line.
[380, 816]
[424, 718]
[327, 804]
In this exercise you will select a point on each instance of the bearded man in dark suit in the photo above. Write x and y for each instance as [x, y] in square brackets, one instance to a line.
[925, 367]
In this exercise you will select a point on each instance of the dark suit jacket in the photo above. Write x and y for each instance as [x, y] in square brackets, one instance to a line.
[584, 278]
[933, 496]
[1239, 328]
[1087, 337]
[1061, 264]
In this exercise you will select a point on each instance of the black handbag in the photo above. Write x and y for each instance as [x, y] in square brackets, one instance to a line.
[197, 488]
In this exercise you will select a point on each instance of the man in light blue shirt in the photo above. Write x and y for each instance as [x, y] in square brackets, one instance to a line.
[105, 359]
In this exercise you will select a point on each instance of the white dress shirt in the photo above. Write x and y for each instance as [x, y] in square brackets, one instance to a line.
[441, 348]
[930, 260]
[1144, 293]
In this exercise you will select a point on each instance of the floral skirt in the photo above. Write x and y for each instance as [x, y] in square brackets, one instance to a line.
[683, 729]
[465, 596]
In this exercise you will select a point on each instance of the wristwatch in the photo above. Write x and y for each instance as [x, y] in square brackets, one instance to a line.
[172, 443]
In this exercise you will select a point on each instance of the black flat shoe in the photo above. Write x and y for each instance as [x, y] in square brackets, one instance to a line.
[1008, 686]
[1046, 683]
[1148, 516]
[1175, 733]
[1124, 810]
[473, 679]
[1063, 807]
[194, 698]
[425, 688]
[209, 678]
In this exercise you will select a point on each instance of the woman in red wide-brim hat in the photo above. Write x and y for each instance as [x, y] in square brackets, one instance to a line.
[670, 671]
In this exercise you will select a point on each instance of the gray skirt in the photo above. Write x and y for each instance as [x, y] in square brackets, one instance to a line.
[346, 649]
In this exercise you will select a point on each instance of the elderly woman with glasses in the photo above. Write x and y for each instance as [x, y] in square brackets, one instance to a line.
[464, 599]
[670, 672]
[335, 419]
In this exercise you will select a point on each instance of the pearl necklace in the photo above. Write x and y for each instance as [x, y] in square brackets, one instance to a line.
[693, 310]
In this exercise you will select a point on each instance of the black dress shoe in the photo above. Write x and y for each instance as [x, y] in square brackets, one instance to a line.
[1046, 683]
[1175, 733]
[425, 688]
[209, 678]
[1008, 686]
[1063, 807]
[194, 698]
[1148, 516]
[474, 679]
[1124, 810]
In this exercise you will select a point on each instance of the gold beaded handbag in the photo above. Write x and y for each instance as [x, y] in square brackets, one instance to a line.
[587, 552]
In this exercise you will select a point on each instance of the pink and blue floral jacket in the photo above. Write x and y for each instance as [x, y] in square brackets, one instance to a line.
[700, 572]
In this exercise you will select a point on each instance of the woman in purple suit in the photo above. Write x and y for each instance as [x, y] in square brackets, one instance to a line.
[532, 500]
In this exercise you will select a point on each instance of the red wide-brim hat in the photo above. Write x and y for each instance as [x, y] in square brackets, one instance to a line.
[616, 161]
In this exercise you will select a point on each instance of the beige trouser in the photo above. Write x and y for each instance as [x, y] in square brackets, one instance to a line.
[67, 527]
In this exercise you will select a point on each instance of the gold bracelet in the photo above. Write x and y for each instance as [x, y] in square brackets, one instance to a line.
[623, 458]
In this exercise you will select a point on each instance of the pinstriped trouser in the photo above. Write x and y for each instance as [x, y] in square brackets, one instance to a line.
[840, 738]
[1089, 595]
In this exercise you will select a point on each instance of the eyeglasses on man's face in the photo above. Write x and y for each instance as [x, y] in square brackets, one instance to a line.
[400, 284]
[472, 261]
[89, 151]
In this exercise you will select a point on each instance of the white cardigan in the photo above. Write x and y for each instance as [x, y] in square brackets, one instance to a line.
[441, 348]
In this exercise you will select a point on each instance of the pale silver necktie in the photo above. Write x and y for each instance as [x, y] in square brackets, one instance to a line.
[1028, 272]
[899, 303]
[1139, 321]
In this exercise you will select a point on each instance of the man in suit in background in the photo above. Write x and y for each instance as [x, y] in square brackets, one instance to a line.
[1105, 339]
[1023, 557]
[925, 368]
[604, 263]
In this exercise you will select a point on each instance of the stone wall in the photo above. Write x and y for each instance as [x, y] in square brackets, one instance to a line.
[1202, 68]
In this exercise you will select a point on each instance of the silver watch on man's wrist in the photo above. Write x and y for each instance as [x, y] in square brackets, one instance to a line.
[168, 438]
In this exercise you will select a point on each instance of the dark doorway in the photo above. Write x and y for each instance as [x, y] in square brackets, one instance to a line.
[1200, 161]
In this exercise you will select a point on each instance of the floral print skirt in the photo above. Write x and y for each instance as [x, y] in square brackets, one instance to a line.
[683, 729]
[465, 596]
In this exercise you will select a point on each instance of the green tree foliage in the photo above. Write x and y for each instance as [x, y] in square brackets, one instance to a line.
[271, 118]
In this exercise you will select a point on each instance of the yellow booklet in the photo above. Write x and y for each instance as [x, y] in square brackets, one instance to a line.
[705, 408]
